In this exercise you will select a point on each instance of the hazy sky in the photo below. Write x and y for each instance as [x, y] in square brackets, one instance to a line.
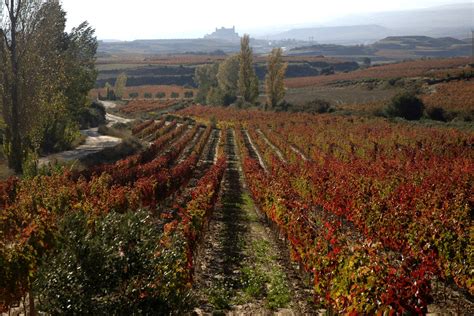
[147, 19]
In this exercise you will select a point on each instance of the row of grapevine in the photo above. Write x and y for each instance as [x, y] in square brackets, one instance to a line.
[351, 273]
[413, 198]
[375, 211]
[34, 212]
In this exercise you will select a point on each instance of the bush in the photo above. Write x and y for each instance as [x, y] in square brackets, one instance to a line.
[327, 71]
[174, 95]
[316, 106]
[160, 95]
[147, 95]
[113, 265]
[406, 105]
[188, 94]
[283, 106]
[111, 95]
[127, 147]
[437, 114]
[91, 116]
[133, 95]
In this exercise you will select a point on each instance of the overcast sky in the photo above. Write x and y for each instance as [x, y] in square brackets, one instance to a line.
[150, 19]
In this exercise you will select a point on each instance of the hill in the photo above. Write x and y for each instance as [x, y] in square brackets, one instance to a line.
[392, 47]
[441, 21]
[353, 34]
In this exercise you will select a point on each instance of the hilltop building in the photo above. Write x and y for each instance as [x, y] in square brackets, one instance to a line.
[224, 34]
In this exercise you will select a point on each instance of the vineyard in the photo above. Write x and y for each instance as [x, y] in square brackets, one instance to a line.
[437, 68]
[374, 216]
[374, 211]
[144, 106]
[152, 188]
[454, 96]
[148, 91]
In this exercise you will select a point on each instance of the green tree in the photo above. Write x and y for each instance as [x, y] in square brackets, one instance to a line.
[205, 77]
[160, 95]
[274, 81]
[248, 81]
[215, 96]
[366, 61]
[80, 66]
[16, 25]
[45, 75]
[228, 79]
[120, 85]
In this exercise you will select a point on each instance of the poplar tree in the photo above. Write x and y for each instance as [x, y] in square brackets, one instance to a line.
[228, 79]
[274, 80]
[248, 81]
[120, 85]
[45, 75]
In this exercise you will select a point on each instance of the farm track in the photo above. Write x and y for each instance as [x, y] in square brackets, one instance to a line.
[238, 243]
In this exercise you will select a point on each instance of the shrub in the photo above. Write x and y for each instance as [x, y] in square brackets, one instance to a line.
[91, 116]
[111, 95]
[111, 265]
[188, 94]
[436, 113]
[160, 95]
[133, 95]
[174, 95]
[406, 105]
[147, 95]
[314, 106]
[327, 71]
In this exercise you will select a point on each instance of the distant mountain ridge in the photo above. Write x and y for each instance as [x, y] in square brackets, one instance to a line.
[336, 34]
[454, 20]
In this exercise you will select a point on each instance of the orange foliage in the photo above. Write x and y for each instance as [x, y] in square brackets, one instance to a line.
[428, 68]
[454, 95]
[141, 106]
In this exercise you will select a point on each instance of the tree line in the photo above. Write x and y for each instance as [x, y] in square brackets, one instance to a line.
[45, 76]
[235, 81]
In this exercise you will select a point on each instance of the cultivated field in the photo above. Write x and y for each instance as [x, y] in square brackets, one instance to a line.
[152, 90]
[432, 68]
[375, 214]
[243, 211]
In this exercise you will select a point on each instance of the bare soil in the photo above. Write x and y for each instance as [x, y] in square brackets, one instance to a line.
[242, 267]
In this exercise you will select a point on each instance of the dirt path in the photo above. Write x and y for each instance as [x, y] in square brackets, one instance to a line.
[241, 268]
[94, 142]
[111, 118]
